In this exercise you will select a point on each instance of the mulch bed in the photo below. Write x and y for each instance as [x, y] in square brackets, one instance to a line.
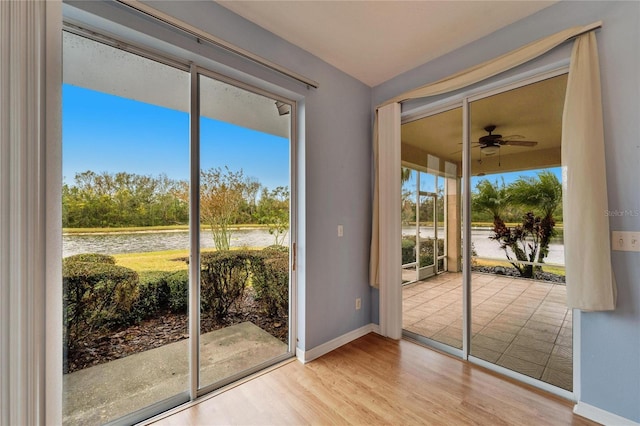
[513, 272]
[166, 328]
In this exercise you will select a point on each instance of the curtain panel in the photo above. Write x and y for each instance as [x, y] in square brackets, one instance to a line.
[590, 281]
[30, 70]
[589, 276]
[387, 194]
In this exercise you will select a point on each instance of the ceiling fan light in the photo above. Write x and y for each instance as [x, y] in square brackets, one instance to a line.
[490, 150]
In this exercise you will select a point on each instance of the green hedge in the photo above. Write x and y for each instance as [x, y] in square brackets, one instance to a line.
[178, 285]
[223, 277]
[275, 250]
[153, 295]
[270, 281]
[96, 295]
[99, 294]
[408, 250]
[426, 250]
[91, 257]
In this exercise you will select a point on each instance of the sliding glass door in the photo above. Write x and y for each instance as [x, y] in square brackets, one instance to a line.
[245, 230]
[177, 231]
[432, 301]
[508, 308]
[126, 171]
[519, 317]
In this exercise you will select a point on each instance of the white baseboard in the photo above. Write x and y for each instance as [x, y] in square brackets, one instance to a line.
[318, 351]
[601, 416]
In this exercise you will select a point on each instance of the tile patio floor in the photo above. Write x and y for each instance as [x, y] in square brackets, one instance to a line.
[520, 324]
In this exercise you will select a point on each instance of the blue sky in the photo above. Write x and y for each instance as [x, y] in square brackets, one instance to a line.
[102, 132]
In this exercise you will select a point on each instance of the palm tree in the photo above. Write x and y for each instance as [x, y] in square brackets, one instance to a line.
[405, 174]
[492, 198]
[523, 240]
[543, 194]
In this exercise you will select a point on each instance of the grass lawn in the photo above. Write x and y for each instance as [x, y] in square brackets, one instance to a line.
[558, 226]
[158, 260]
[551, 269]
[153, 261]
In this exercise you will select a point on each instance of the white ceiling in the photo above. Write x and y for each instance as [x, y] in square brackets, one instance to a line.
[374, 41]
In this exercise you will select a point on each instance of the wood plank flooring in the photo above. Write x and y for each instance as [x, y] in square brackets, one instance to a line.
[373, 381]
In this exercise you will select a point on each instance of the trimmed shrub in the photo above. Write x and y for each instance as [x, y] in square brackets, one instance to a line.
[275, 250]
[408, 250]
[153, 295]
[96, 295]
[270, 281]
[91, 257]
[178, 291]
[426, 251]
[223, 278]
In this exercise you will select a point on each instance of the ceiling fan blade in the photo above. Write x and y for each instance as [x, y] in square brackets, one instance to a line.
[519, 143]
[508, 138]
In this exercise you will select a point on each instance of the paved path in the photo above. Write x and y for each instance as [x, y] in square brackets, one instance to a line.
[102, 393]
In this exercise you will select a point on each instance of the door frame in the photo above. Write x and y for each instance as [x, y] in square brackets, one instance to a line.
[463, 99]
[54, 245]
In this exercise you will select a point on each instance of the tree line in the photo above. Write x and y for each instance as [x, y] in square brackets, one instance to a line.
[122, 200]
[227, 197]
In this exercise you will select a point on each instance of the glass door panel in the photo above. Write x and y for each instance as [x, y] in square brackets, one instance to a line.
[519, 319]
[426, 260]
[441, 224]
[245, 207]
[125, 220]
[410, 215]
[432, 306]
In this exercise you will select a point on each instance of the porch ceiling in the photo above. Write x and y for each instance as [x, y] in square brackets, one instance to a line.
[533, 111]
[99, 67]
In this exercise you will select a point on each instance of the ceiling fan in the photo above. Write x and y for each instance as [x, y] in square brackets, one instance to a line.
[490, 144]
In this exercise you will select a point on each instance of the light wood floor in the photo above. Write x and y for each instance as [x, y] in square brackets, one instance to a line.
[520, 324]
[374, 381]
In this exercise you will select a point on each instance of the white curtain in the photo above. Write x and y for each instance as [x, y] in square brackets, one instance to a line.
[590, 284]
[29, 126]
[388, 193]
[590, 281]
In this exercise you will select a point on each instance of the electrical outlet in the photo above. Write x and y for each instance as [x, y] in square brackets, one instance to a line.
[358, 304]
[340, 231]
[625, 241]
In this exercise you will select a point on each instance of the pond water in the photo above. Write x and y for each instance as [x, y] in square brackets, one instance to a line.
[140, 242]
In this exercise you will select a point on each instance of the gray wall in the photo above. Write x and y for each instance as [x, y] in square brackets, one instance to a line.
[610, 342]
